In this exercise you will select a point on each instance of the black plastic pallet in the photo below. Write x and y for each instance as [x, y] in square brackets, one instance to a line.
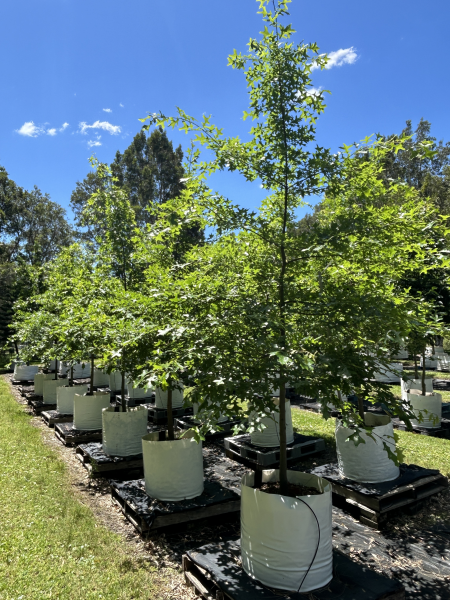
[374, 503]
[132, 402]
[22, 381]
[38, 407]
[99, 464]
[258, 457]
[69, 436]
[188, 422]
[440, 432]
[149, 515]
[215, 572]
[159, 415]
[50, 417]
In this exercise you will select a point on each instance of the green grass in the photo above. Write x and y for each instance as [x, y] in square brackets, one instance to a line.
[50, 544]
[423, 450]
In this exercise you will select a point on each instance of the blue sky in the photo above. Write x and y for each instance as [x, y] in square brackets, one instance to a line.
[77, 75]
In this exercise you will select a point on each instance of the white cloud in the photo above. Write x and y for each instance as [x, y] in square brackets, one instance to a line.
[94, 143]
[51, 131]
[64, 126]
[314, 91]
[108, 110]
[344, 56]
[29, 129]
[112, 129]
[121, 105]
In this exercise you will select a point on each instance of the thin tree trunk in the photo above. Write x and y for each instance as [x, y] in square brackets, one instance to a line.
[416, 369]
[170, 431]
[423, 374]
[16, 347]
[91, 392]
[56, 370]
[283, 451]
[71, 377]
[124, 404]
[361, 406]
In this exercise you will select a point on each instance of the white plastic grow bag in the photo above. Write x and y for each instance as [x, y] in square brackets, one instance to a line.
[79, 372]
[39, 379]
[280, 535]
[115, 381]
[429, 363]
[270, 436]
[101, 379]
[133, 392]
[161, 398]
[368, 462]
[387, 373]
[196, 405]
[65, 397]
[87, 410]
[25, 372]
[173, 470]
[123, 431]
[50, 387]
[432, 404]
[416, 385]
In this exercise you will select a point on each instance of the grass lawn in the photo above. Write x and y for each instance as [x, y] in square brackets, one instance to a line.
[423, 450]
[50, 544]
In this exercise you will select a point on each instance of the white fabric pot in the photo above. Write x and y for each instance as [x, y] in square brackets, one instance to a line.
[115, 381]
[123, 431]
[195, 406]
[50, 387]
[387, 373]
[161, 398]
[173, 470]
[432, 404]
[101, 379]
[279, 535]
[443, 362]
[429, 363]
[79, 372]
[25, 372]
[87, 410]
[39, 382]
[416, 385]
[137, 392]
[270, 436]
[368, 462]
[65, 396]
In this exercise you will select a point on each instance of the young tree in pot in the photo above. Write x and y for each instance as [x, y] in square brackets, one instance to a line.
[270, 341]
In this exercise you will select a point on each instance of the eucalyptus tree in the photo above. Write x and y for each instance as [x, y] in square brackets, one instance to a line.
[256, 308]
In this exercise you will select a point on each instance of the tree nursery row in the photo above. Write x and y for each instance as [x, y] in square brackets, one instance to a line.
[156, 320]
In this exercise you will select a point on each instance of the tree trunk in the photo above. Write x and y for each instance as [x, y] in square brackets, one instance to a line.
[170, 432]
[284, 483]
[416, 369]
[91, 390]
[361, 407]
[16, 347]
[124, 404]
[423, 374]
[56, 370]
[71, 377]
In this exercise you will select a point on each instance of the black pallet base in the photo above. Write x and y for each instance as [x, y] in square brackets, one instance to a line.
[214, 571]
[227, 426]
[374, 503]
[159, 415]
[257, 457]
[99, 464]
[149, 515]
[69, 436]
[440, 432]
[38, 407]
[132, 402]
[22, 381]
[50, 417]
